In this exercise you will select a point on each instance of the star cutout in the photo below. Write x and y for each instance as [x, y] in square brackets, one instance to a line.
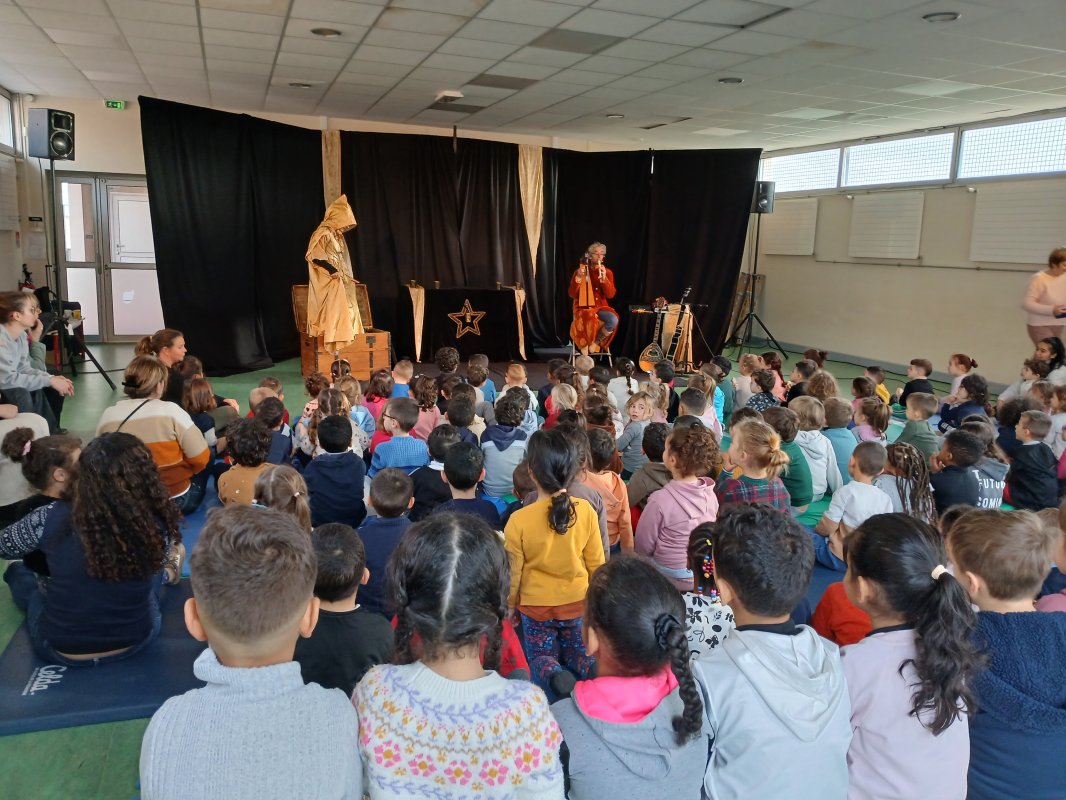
[466, 320]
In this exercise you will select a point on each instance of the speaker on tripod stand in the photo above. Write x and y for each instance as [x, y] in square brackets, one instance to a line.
[762, 202]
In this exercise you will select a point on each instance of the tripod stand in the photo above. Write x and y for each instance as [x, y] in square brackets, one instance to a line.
[55, 301]
[748, 320]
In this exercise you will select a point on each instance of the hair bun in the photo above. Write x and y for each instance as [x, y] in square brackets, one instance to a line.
[664, 626]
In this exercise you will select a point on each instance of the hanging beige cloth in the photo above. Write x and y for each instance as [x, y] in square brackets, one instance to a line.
[331, 165]
[531, 186]
[332, 310]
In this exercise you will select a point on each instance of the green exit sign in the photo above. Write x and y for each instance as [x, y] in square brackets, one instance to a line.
[119, 104]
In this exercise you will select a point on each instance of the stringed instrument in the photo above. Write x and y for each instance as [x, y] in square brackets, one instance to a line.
[653, 353]
[680, 325]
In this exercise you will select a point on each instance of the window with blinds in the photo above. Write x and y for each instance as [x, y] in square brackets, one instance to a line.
[1024, 148]
[802, 171]
[914, 160]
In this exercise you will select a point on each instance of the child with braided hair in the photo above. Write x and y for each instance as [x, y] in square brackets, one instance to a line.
[906, 482]
[636, 728]
[707, 620]
[438, 722]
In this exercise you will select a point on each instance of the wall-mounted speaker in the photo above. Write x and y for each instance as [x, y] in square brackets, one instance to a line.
[50, 134]
[763, 200]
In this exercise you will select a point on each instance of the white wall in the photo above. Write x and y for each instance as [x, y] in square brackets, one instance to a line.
[893, 313]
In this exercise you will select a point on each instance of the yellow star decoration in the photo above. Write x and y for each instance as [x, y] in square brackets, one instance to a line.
[466, 320]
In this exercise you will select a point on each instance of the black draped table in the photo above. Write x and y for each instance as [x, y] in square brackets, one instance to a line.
[488, 321]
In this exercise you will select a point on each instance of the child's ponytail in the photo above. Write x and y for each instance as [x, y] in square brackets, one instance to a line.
[875, 411]
[639, 613]
[553, 460]
[763, 442]
[626, 369]
[905, 558]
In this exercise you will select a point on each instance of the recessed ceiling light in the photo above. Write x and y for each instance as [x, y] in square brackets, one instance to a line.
[941, 16]
[300, 85]
[616, 116]
[327, 33]
[729, 81]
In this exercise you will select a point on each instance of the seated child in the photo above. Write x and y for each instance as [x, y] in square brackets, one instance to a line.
[797, 473]
[837, 619]
[331, 403]
[402, 372]
[693, 402]
[601, 376]
[362, 420]
[402, 450]
[477, 377]
[861, 388]
[756, 454]
[1001, 558]
[795, 712]
[718, 369]
[877, 375]
[1032, 482]
[554, 365]
[447, 579]
[992, 468]
[629, 444]
[1054, 600]
[429, 487]
[447, 361]
[912, 679]
[48, 465]
[563, 397]
[742, 387]
[271, 413]
[248, 443]
[256, 396]
[599, 414]
[688, 500]
[424, 392]
[762, 385]
[643, 707]
[623, 385]
[816, 448]
[198, 400]
[654, 474]
[1041, 392]
[1007, 419]
[523, 488]
[314, 385]
[954, 479]
[582, 365]
[906, 482]
[600, 477]
[275, 386]
[917, 380]
[340, 368]
[335, 478]
[798, 379]
[859, 500]
[283, 489]
[348, 639]
[707, 621]
[837, 418]
[464, 468]
[504, 445]
[378, 392]
[488, 388]
[1055, 437]
[1032, 371]
[918, 432]
[871, 420]
[253, 575]
[445, 388]
[391, 494]
[970, 399]
[663, 374]
[466, 394]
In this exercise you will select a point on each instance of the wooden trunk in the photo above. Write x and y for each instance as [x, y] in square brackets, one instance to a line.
[369, 352]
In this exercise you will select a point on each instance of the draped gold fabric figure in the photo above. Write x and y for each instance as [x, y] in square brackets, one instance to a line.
[332, 311]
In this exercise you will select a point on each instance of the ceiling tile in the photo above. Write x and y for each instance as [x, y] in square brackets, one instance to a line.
[492, 31]
[255, 41]
[84, 6]
[641, 84]
[363, 79]
[144, 45]
[317, 62]
[115, 40]
[240, 54]
[527, 12]
[477, 49]
[234, 21]
[403, 19]
[464, 8]
[660, 8]
[729, 12]
[405, 40]
[175, 13]
[692, 34]
[300, 29]
[317, 47]
[709, 59]
[65, 20]
[224, 65]
[803, 24]
[515, 70]
[645, 51]
[339, 11]
[389, 55]
[583, 77]
[758, 44]
[364, 67]
[611, 23]
[547, 58]
[461, 63]
[672, 72]
[146, 29]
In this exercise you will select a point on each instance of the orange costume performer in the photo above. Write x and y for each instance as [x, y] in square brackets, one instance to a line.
[592, 285]
[332, 311]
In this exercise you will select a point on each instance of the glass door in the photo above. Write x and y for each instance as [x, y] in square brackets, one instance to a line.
[118, 290]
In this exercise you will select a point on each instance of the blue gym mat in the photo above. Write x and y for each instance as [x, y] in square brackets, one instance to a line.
[194, 522]
[36, 696]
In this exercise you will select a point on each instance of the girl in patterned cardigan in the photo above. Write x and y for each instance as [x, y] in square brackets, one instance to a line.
[438, 723]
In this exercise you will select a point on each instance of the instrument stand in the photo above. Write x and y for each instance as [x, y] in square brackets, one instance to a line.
[748, 320]
[55, 301]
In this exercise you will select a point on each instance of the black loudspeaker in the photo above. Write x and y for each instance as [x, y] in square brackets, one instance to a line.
[50, 134]
[763, 201]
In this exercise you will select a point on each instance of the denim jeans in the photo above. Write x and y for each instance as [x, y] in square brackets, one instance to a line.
[191, 500]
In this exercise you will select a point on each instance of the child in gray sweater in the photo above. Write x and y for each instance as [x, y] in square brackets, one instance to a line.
[255, 730]
[637, 729]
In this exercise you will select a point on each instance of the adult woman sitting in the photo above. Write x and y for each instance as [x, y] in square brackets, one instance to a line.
[29, 387]
[1052, 350]
[1045, 298]
[168, 345]
[591, 288]
[105, 546]
[176, 444]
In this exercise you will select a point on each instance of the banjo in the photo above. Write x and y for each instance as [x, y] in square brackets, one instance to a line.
[653, 353]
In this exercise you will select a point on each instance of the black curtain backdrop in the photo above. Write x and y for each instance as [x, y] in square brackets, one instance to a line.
[233, 202]
[697, 221]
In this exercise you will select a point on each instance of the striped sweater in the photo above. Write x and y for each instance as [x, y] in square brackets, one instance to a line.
[178, 448]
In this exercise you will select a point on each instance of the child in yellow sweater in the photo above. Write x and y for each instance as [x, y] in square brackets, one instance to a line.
[554, 546]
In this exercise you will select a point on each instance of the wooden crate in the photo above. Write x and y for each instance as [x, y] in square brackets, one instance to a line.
[369, 352]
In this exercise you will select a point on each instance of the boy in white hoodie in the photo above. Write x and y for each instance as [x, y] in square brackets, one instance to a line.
[774, 692]
[816, 447]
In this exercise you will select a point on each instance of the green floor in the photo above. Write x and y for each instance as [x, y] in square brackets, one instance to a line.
[100, 761]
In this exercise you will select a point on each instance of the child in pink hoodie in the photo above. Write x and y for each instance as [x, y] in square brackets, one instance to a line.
[685, 502]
